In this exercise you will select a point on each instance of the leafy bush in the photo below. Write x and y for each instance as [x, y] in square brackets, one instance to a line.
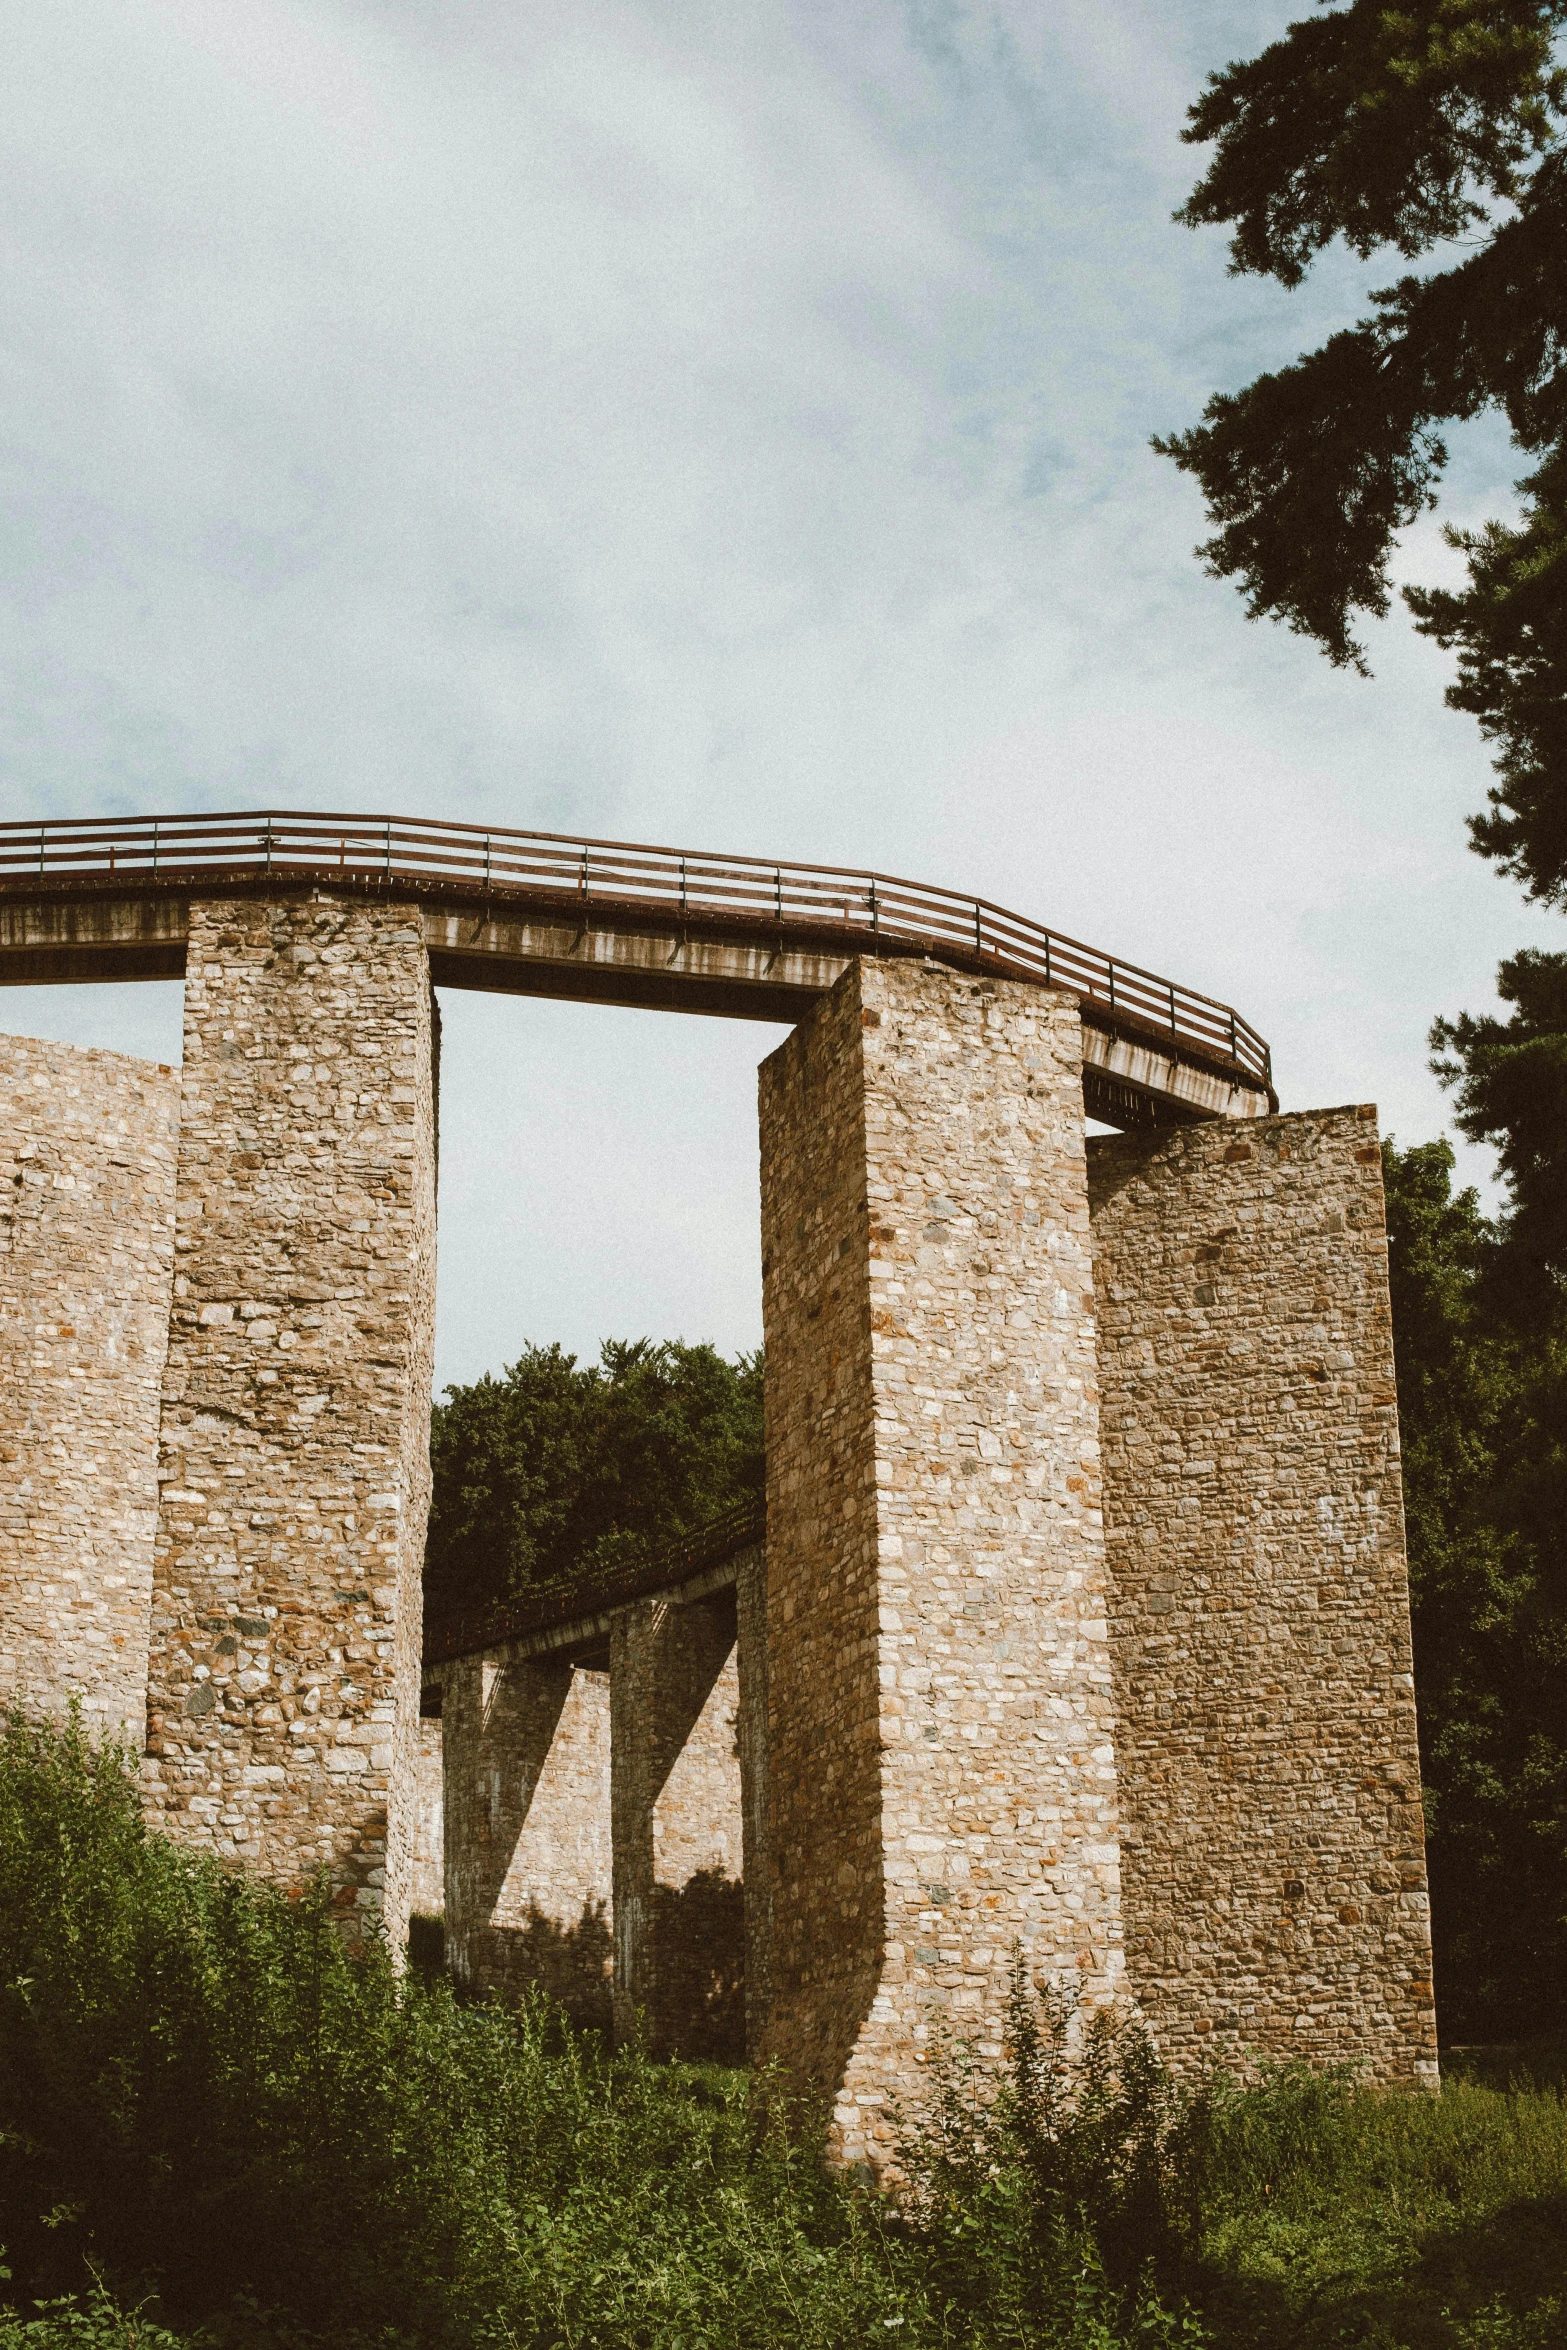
[1050, 2189]
[213, 2119]
[205, 2098]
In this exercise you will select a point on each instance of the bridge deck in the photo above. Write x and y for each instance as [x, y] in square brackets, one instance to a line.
[576, 1617]
[610, 922]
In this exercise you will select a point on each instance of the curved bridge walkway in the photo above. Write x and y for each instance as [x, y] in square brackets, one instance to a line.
[1081, 1624]
[532, 913]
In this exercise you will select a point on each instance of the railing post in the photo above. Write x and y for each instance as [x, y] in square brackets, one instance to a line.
[778, 892]
[1234, 1045]
[979, 935]
[1174, 1031]
[269, 844]
[40, 848]
[486, 863]
[875, 913]
[1047, 958]
[682, 889]
[155, 846]
[582, 885]
[1111, 960]
[387, 869]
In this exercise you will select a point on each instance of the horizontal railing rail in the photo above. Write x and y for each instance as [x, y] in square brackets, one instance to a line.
[598, 1592]
[688, 886]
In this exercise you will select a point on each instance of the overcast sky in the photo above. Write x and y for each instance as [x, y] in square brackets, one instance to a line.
[718, 426]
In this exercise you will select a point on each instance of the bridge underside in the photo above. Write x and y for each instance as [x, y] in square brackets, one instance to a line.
[1133, 1073]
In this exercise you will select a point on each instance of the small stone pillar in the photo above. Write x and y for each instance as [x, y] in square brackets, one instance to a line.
[427, 1891]
[87, 1147]
[675, 1805]
[751, 1732]
[525, 1804]
[284, 1689]
[941, 1769]
[1270, 1779]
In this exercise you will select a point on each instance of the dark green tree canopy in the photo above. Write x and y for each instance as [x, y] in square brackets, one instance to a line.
[1482, 1407]
[556, 1468]
[1405, 128]
[1509, 631]
[1511, 1083]
[1380, 125]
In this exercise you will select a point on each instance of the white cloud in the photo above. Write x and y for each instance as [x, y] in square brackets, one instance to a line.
[709, 426]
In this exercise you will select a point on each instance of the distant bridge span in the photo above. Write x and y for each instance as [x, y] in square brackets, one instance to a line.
[533, 913]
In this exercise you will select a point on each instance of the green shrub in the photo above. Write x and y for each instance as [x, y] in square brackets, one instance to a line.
[212, 2119]
[1321, 2212]
[203, 2096]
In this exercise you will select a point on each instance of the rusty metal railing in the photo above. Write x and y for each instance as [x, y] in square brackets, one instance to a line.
[596, 1592]
[770, 899]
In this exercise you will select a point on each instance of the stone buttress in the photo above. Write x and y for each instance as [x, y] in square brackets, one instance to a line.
[677, 1810]
[1272, 1838]
[87, 1144]
[284, 1688]
[941, 1766]
[525, 1758]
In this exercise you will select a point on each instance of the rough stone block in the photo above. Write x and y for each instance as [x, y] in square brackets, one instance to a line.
[939, 1693]
[526, 1761]
[678, 1830]
[427, 1891]
[756, 1828]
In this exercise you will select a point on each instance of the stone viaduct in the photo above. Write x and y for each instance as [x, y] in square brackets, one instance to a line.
[1077, 1624]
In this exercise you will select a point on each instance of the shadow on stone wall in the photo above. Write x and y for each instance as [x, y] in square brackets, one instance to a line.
[574, 1964]
[699, 1945]
[699, 1938]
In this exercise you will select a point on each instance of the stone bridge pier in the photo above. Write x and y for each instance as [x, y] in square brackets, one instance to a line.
[604, 1814]
[283, 1689]
[940, 1695]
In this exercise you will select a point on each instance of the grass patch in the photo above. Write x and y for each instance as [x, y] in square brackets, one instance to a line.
[216, 2125]
[1317, 2212]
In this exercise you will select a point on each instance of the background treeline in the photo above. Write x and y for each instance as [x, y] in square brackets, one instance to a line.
[557, 1468]
[1481, 1343]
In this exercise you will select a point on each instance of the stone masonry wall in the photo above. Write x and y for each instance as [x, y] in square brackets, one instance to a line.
[427, 1887]
[284, 1693]
[939, 1695]
[527, 1827]
[1275, 1891]
[676, 1804]
[87, 1145]
[755, 1799]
